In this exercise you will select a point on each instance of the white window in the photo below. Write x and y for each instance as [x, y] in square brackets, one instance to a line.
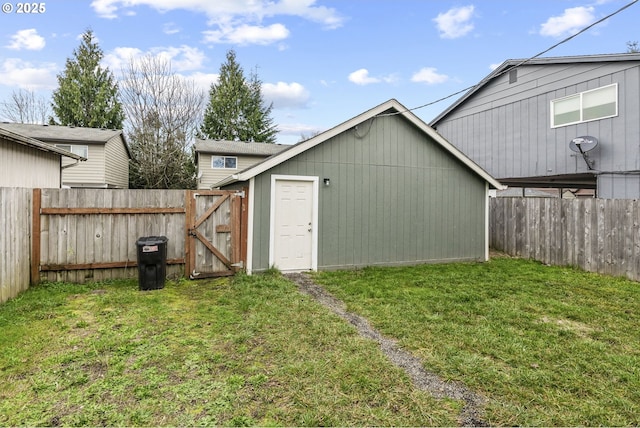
[585, 106]
[224, 162]
[79, 150]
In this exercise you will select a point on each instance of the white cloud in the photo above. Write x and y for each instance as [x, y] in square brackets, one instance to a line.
[429, 76]
[229, 13]
[285, 95]
[119, 58]
[182, 58]
[203, 81]
[247, 34]
[455, 22]
[361, 77]
[494, 66]
[25, 75]
[170, 28]
[570, 22]
[27, 39]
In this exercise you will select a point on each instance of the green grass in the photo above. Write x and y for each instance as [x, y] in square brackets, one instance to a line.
[247, 351]
[546, 346]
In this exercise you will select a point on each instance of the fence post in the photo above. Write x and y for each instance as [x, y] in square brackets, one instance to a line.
[188, 206]
[36, 203]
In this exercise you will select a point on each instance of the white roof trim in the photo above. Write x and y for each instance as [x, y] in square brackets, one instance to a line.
[320, 138]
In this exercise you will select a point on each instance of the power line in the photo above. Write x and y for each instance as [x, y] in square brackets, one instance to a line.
[491, 77]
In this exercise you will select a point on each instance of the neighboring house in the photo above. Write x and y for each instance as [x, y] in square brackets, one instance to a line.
[525, 122]
[27, 162]
[218, 159]
[106, 151]
[380, 189]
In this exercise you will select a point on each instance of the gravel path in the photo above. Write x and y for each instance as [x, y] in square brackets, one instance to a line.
[472, 410]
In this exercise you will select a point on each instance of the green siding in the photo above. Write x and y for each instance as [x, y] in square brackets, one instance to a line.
[396, 197]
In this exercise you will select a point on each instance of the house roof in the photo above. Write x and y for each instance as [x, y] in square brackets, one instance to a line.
[226, 147]
[514, 63]
[390, 107]
[33, 143]
[66, 134]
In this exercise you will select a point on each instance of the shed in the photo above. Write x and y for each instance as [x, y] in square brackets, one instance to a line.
[27, 162]
[382, 188]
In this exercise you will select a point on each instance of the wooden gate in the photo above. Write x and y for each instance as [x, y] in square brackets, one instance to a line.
[216, 239]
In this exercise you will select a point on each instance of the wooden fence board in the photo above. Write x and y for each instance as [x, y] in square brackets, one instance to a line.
[79, 235]
[597, 235]
[15, 226]
[94, 233]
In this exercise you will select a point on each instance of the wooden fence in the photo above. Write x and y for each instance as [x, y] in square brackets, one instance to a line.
[597, 235]
[79, 235]
[15, 241]
[90, 235]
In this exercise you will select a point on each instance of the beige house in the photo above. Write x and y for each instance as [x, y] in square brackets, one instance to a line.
[219, 159]
[106, 151]
[27, 162]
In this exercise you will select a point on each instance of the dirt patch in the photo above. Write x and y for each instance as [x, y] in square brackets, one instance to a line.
[580, 329]
[473, 404]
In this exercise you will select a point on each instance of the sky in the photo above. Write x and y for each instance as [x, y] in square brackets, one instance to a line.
[321, 62]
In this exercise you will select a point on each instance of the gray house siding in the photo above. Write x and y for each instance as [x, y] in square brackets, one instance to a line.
[396, 197]
[505, 127]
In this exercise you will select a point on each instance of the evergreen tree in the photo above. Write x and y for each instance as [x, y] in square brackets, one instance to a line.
[87, 94]
[236, 110]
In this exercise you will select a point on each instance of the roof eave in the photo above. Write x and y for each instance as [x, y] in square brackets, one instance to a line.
[39, 145]
[320, 138]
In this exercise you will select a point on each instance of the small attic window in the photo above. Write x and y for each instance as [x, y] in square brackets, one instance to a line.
[513, 75]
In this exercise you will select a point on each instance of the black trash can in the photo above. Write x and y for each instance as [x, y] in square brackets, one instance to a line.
[152, 262]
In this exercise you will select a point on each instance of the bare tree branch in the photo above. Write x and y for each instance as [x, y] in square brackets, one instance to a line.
[163, 112]
[25, 106]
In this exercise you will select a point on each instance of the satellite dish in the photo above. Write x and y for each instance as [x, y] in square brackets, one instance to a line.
[583, 144]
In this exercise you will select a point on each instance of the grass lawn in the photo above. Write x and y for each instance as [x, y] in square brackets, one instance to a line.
[546, 346]
[248, 351]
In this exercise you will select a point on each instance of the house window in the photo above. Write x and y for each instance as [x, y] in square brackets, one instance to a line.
[224, 162]
[75, 149]
[585, 106]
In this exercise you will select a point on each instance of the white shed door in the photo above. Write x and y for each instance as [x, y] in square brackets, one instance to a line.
[293, 228]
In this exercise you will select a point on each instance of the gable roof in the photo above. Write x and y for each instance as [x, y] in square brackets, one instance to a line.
[226, 147]
[390, 107]
[56, 134]
[33, 143]
[514, 63]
